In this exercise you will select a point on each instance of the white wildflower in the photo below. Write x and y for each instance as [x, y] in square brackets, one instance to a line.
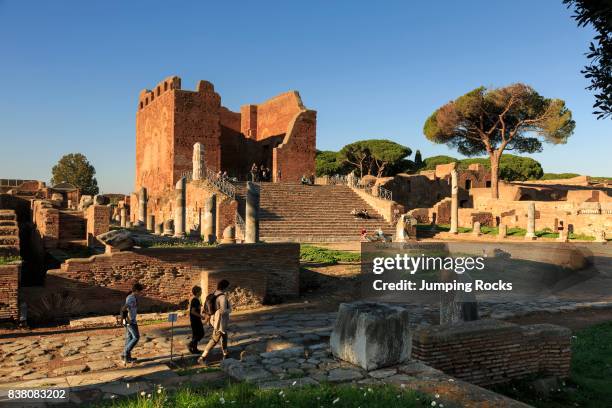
[143, 393]
[336, 400]
[222, 400]
[433, 403]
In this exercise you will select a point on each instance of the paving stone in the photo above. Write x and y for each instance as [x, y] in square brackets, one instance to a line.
[35, 375]
[271, 361]
[124, 388]
[344, 374]
[21, 373]
[70, 370]
[382, 373]
[68, 351]
[100, 365]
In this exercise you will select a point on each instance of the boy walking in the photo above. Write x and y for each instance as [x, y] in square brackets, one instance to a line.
[219, 319]
[195, 318]
[129, 312]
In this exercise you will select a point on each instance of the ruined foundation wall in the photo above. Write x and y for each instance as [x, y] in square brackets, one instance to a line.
[101, 282]
[10, 279]
[486, 352]
[295, 157]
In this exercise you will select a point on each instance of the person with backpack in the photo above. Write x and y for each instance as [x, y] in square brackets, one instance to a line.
[129, 312]
[218, 308]
[195, 318]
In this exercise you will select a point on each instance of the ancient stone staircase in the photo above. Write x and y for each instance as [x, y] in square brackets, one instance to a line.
[73, 228]
[9, 233]
[320, 213]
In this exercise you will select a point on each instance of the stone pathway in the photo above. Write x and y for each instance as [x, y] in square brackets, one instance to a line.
[56, 355]
[312, 365]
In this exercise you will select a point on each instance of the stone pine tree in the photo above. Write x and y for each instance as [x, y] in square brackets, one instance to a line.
[598, 14]
[75, 169]
[373, 156]
[490, 121]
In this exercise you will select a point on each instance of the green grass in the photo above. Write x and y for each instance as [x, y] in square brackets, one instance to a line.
[247, 395]
[179, 244]
[511, 232]
[313, 254]
[4, 260]
[590, 384]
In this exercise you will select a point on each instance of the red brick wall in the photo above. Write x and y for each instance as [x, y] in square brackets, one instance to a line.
[296, 155]
[101, 282]
[488, 352]
[10, 277]
[47, 223]
[275, 115]
[98, 222]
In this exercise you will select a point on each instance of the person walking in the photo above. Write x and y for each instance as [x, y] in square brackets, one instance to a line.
[219, 309]
[129, 313]
[195, 318]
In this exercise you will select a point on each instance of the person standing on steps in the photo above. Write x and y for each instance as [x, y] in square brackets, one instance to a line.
[129, 312]
[219, 309]
[195, 318]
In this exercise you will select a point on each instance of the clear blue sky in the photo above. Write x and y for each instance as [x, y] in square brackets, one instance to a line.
[72, 70]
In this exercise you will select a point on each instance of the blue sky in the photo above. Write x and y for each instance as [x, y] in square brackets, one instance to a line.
[72, 70]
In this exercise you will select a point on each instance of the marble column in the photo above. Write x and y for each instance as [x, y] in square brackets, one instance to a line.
[251, 234]
[229, 235]
[142, 206]
[502, 231]
[179, 208]
[198, 161]
[210, 219]
[168, 227]
[150, 222]
[476, 229]
[123, 215]
[454, 203]
[159, 228]
[530, 235]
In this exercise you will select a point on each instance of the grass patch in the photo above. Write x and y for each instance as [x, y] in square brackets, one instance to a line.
[248, 395]
[179, 244]
[314, 254]
[5, 260]
[589, 384]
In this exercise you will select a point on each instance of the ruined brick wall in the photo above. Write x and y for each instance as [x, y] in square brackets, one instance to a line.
[197, 119]
[426, 189]
[155, 119]
[275, 114]
[46, 221]
[486, 352]
[98, 222]
[10, 278]
[100, 283]
[586, 218]
[295, 157]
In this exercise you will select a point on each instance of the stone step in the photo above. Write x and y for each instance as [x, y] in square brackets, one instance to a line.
[9, 240]
[8, 215]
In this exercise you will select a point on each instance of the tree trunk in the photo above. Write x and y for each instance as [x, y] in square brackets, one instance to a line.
[495, 156]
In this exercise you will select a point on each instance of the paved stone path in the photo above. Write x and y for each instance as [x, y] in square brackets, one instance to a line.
[56, 355]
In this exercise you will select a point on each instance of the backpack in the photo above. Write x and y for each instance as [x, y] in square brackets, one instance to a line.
[210, 304]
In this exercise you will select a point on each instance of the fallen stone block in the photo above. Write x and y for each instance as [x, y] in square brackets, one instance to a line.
[372, 335]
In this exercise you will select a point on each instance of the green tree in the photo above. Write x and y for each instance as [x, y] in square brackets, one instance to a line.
[418, 159]
[75, 169]
[327, 163]
[511, 167]
[430, 163]
[597, 13]
[373, 156]
[490, 121]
